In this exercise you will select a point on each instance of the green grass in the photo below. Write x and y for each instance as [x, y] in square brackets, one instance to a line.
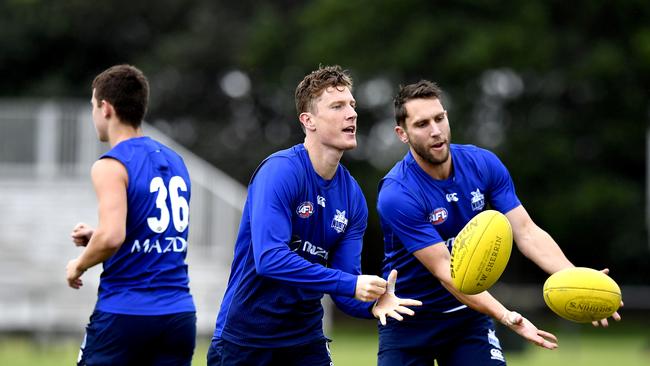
[355, 344]
[622, 344]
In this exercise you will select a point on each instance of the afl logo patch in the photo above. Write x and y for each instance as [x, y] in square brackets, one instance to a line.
[438, 216]
[305, 209]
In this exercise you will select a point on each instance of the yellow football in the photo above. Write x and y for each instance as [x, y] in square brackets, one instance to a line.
[480, 252]
[582, 295]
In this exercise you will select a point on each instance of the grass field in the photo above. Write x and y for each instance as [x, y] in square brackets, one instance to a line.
[355, 344]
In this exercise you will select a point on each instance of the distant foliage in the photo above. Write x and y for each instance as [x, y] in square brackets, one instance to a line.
[559, 90]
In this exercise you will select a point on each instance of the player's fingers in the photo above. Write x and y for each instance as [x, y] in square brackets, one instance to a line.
[395, 315]
[410, 302]
[605, 270]
[541, 342]
[373, 294]
[390, 284]
[547, 335]
[604, 323]
[382, 318]
[404, 310]
[365, 297]
[376, 291]
[616, 316]
[595, 323]
[379, 282]
[548, 345]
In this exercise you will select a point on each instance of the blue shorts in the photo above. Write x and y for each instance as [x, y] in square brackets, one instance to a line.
[118, 339]
[464, 337]
[224, 353]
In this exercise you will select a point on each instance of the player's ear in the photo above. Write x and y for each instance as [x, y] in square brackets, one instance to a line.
[107, 108]
[307, 121]
[401, 134]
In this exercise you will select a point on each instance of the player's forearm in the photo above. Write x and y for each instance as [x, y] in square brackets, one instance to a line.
[483, 302]
[540, 247]
[101, 246]
[353, 307]
[284, 265]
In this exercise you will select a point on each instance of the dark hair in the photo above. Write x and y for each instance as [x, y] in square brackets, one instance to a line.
[312, 85]
[127, 89]
[423, 89]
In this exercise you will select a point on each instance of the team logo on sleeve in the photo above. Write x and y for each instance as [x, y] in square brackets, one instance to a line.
[305, 209]
[478, 200]
[438, 216]
[339, 222]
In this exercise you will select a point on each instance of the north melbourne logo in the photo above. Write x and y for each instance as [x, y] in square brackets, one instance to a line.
[478, 200]
[339, 222]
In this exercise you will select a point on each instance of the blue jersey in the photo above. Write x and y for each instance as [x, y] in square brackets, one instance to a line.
[417, 211]
[148, 274]
[300, 237]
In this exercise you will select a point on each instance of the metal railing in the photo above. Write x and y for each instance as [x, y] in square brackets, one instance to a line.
[46, 151]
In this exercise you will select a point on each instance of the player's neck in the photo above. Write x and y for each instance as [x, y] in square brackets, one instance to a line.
[439, 171]
[324, 159]
[119, 132]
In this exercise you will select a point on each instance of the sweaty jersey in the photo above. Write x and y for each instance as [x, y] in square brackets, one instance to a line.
[300, 237]
[417, 211]
[148, 274]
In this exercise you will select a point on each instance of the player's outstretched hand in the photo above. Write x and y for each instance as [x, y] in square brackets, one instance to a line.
[369, 288]
[528, 330]
[81, 234]
[391, 305]
[73, 274]
[615, 316]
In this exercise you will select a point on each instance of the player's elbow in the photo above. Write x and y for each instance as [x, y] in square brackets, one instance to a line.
[262, 266]
[266, 263]
[111, 240]
[115, 241]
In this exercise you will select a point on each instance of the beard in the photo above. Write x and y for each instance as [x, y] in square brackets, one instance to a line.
[424, 153]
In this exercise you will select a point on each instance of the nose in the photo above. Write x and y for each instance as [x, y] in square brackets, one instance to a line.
[435, 130]
[351, 112]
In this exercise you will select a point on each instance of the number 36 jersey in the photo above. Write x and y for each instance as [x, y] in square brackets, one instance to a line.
[148, 274]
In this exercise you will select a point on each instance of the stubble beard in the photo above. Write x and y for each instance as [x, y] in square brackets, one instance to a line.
[426, 155]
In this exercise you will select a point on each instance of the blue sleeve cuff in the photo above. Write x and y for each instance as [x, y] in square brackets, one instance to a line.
[347, 284]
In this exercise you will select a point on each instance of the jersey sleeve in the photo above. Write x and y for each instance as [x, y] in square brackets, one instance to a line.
[273, 188]
[347, 257]
[404, 217]
[502, 190]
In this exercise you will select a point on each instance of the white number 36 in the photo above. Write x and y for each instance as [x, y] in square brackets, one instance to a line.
[180, 209]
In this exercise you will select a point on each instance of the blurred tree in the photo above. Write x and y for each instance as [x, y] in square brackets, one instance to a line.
[559, 90]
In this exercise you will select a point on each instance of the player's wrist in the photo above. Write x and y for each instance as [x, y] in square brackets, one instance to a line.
[509, 317]
[79, 267]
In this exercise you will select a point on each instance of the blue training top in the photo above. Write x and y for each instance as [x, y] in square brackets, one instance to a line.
[148, 274]
[300, 236]
[417, 211]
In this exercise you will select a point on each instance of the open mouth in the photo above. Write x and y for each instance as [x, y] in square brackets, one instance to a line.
[350, 129]
[438, 145]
